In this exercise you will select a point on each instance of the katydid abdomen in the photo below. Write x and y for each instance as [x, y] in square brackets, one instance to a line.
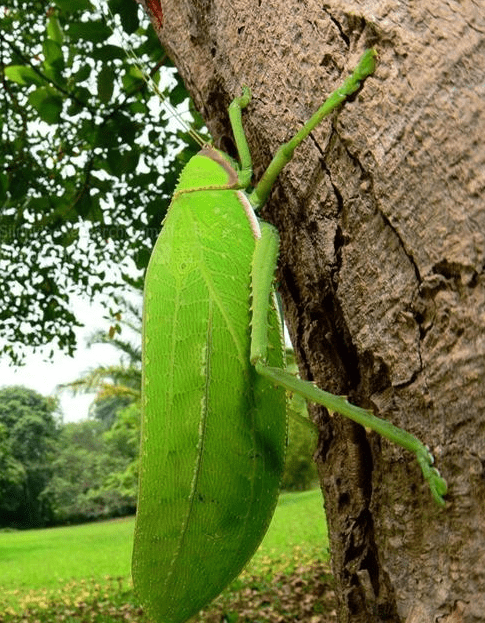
[213, 432]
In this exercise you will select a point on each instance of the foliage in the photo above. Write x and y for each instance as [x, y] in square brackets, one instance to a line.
[306, 594]
[124, 439]
[12, 474]
[28, 433]
[87, 164]
[84, 484]
[52, 473]
[106, 410]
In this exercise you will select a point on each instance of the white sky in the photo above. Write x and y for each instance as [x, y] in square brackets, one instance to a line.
[43, 376]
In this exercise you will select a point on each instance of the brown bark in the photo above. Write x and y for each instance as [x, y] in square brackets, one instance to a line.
[382, 230]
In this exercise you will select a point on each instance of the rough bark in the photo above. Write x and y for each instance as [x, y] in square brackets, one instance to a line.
[382, 228]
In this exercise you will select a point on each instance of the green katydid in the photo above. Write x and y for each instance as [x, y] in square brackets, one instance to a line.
[214, 383]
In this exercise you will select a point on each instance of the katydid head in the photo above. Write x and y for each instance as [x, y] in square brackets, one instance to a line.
[210, 168]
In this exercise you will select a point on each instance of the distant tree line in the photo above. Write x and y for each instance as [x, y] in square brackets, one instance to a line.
[52, 473]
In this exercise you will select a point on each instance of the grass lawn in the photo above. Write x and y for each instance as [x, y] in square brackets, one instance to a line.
[45, 558]
[297, 534]
[84, 558]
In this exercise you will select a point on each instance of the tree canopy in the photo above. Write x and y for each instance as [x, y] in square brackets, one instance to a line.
[88, 161]
[28, 434]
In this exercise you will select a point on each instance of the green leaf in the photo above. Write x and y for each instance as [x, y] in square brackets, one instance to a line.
[53, 55]
[128, 12]
[109, 52]
[74, 108]
[106, 136]
[3, 186]
[126, 162]
[47, 103]
[130, 160]
[75, 159]
[140, 107]
[133, 78]
[178, 95]
[54, 31]
[85, 204]
[153, 136]
[87, 131]
[83, 94]
[71, 236]
[94, 31]
[69, 6]
[39, 205]
[82, 73]
[141, 258]
[23, 75]
[106, 79]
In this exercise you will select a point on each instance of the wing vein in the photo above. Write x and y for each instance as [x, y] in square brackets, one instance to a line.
[212, 290]
[204, 411]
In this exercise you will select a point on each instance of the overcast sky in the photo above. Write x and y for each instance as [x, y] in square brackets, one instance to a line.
[44, 376]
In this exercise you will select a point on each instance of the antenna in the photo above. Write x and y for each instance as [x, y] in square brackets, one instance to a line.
[166, 104]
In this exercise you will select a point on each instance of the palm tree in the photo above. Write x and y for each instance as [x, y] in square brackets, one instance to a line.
[117, 385]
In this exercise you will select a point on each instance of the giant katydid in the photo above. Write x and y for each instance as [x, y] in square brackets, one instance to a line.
[214, 383]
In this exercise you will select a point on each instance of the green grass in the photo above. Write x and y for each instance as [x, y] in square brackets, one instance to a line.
[297, 534]
[44, 558]
[80, 560]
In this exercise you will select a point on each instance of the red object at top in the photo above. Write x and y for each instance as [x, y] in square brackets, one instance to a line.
[156, 11]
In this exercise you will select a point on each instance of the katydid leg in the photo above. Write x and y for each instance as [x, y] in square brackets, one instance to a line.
[236, 106]
[284, 154]
[264, 262]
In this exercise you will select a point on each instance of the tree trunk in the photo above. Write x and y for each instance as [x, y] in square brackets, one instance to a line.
[381, 268]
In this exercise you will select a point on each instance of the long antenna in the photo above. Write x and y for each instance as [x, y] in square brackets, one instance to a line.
[172, 111]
